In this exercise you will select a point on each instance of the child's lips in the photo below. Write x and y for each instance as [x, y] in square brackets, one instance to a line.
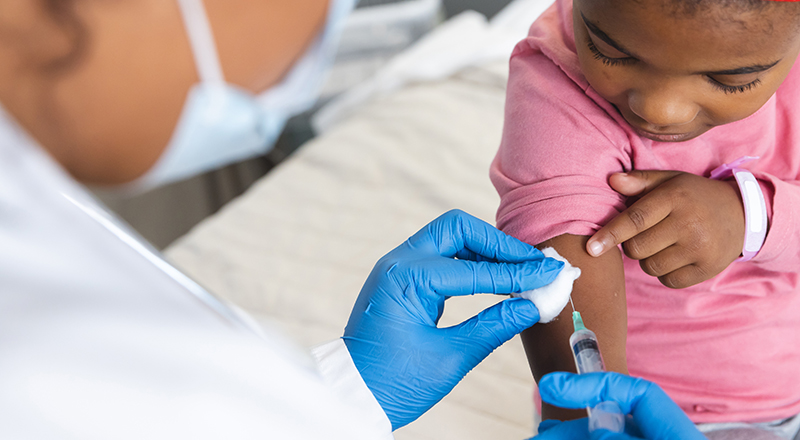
[663, 137]
[635, 123]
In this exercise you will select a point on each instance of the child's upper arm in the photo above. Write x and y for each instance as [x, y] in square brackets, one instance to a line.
[599, 294]
[559, 147]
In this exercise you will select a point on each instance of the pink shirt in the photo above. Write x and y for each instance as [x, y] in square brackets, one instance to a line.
[727, 349]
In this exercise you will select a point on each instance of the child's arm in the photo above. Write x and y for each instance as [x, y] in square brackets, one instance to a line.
[599, 294]
[690, 219]
[684, 229]
[558, 149]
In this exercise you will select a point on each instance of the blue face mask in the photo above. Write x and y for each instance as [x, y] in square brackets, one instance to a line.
[222, 123]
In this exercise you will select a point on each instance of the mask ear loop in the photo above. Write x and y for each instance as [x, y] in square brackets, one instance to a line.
[201, 39]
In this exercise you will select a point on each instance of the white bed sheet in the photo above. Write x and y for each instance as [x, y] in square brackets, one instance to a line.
[296, 248]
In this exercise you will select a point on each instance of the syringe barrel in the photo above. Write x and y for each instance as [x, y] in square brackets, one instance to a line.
[586, 352]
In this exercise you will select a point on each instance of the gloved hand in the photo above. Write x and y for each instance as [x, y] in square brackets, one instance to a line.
[406, 361]
[655, 415]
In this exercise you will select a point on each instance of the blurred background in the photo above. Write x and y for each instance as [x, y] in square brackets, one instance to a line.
[377, 31]
[486, 7]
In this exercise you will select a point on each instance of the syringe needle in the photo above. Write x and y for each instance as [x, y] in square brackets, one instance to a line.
[571, 303]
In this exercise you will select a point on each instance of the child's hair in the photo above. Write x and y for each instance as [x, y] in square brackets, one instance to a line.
[730, 10]
[691, 5]
[694, 7]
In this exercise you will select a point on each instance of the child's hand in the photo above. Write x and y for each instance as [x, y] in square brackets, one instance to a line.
[684, 228]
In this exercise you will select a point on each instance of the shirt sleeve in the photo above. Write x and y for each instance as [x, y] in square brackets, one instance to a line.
[340, 373]
[781, 249]
[558, 149]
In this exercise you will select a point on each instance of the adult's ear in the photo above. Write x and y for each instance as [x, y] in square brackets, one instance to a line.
[41, 35]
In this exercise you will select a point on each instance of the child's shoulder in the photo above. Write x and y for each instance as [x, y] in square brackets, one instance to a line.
[544, 67]
[548, 97]
[551, 41]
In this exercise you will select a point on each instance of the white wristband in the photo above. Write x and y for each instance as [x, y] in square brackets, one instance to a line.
[755, 208]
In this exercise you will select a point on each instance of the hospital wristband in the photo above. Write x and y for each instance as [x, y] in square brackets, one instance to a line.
[755, 208]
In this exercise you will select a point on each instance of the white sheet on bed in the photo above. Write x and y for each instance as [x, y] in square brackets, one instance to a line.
[468, 39]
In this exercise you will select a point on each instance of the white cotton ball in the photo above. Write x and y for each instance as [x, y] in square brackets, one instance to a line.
[552, 298]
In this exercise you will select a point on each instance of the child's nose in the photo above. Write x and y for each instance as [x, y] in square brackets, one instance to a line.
[663, 106]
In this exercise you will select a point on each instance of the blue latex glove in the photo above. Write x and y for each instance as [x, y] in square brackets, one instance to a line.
[406, 361]
[654, 415]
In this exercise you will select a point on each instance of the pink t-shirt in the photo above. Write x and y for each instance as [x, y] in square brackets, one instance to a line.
[727, 349]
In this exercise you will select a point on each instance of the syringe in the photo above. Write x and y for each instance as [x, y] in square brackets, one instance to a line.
[605, 415]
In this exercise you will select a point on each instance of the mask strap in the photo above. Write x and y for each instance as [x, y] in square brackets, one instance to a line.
[201, 38]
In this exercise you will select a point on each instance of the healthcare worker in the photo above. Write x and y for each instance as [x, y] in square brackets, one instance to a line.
[101, 338]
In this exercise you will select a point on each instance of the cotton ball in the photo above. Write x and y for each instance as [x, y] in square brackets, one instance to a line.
[552, 298]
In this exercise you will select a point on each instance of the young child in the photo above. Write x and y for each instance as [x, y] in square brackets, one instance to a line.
[678, 87]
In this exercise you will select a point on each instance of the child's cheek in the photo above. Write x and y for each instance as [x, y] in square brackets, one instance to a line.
[607, 82]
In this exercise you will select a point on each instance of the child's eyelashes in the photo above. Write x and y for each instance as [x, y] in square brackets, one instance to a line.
[725, 88]
[608, 61]
[733, 89]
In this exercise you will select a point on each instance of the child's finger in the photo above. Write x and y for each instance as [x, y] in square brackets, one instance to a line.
[666, 262]
[653, 240]
[640, 182]
[642, 215]
[686, 276]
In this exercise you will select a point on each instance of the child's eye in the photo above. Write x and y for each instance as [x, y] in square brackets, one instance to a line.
[608, 61]
[725, 88]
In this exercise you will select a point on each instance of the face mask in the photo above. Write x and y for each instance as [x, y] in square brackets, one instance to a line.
[222, 123]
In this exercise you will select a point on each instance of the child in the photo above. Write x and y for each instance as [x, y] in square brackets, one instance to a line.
[615, 86]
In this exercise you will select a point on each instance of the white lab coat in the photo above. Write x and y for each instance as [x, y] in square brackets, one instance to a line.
[100, 338]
